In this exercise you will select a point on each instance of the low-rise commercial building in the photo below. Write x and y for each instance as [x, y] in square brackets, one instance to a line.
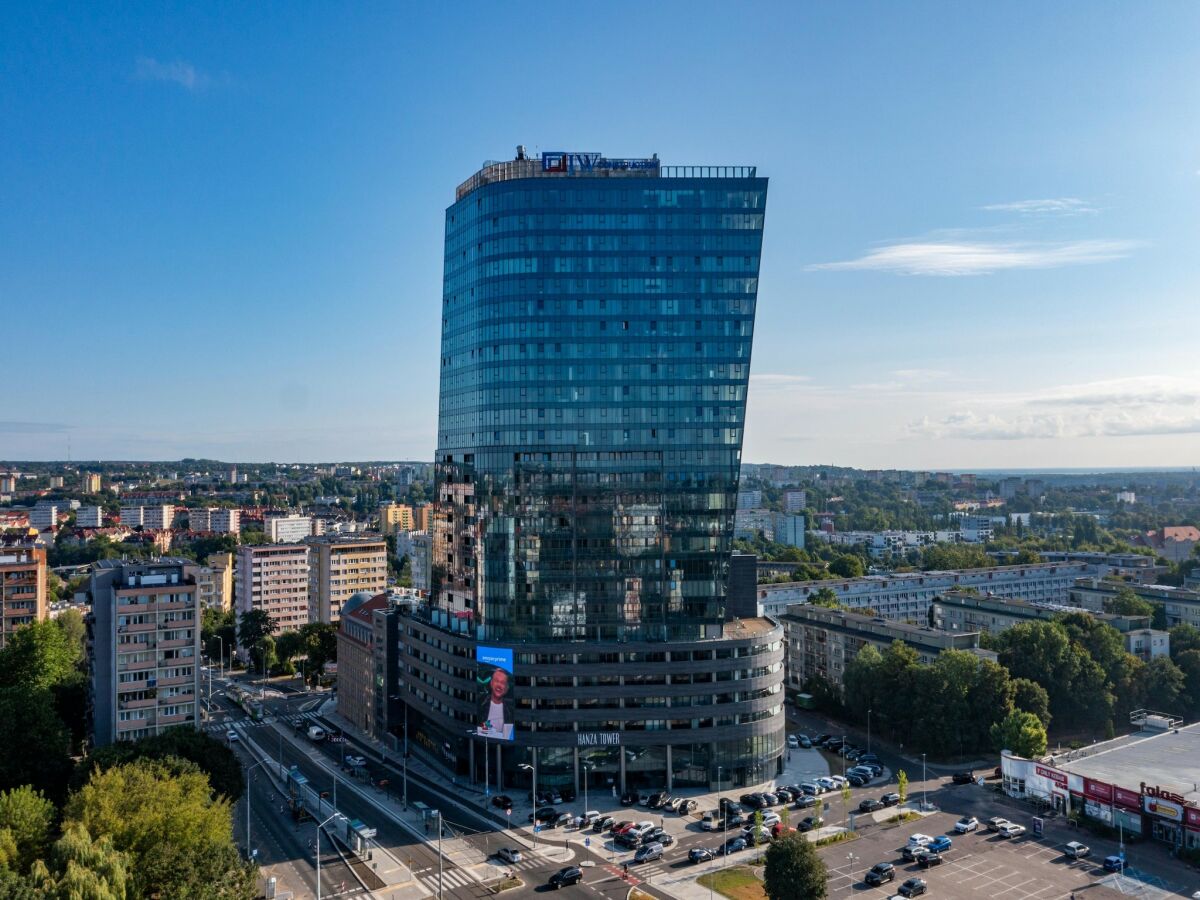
[907, 596]
[356, 660]
[145, 646]
[22, 584]
[341, 566]
[1144, 784]
[274, 578]
[822, 641]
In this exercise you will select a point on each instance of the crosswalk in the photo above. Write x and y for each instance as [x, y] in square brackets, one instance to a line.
[451, 878]
[244, 726]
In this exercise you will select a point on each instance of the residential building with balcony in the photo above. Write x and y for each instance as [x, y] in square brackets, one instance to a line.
[214, 582]
[215, 520]
[22, 584]
[89, 517]
[340, 566]
[394, 517]
[144, 632]
[273, 578]
[1181, 605]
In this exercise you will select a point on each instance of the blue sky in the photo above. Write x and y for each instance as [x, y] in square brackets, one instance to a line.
[220, 225]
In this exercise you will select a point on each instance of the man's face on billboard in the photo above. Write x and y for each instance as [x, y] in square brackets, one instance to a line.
[499, 685]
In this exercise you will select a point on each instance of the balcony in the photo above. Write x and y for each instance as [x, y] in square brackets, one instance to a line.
[176, 720]
[134, 725]
[138, 626]
[178, 642]
[141, 703]
[136, 607]
[137, 666]
[178, 679]
[175, 604]
[177, 699]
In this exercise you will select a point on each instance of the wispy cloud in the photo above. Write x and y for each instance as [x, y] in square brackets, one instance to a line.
[179, 72]
[10, 427]
[1124, 407]
[773, 380]
[1059, 206]
[957, 258]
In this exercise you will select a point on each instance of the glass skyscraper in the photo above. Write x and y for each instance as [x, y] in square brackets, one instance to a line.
[597, 322]
[596, 334]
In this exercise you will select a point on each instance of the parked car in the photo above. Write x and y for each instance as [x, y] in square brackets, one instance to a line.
[567, 794]
[509, 855]
[736, 821]
[940, 844]
[569, 875]
[812, 788]
[928, 858]
[1076, 850]
[808, 823]
[793, 742]
[710, 823]
[728, 807]
[912, 851]
[665, 839]
[232, 736]
[733, 845]
[996, 823]
[603, 824]
[770, 817]
[784, 795]
[1115, 864]
[778, 828]
[700, 854]
[857, 779]
[622, 827]
[869, 805]
[756, 834]
[962, 778]
[629, 798]
[965, 824]
[686, 807]
[655, 800]
[653, 834]
[914, 887]
[826, 782]
[564, 819]
[590, 816]
[838, 780]
[545, 814]
[890, 799]
[770, 799]
[806, 742]
[919, 840]
[805, 801]
[879, 873]
[500, 801]
[1011, 830]
[648, 853]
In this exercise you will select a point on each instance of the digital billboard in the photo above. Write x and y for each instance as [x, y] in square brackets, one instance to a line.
[494, 676]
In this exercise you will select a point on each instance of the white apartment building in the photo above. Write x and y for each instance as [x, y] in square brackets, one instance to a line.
[274, 578]
[290, 529]
[215, 519]
[907, 596]
[158, 516]
[749, 521]
[89, 517]
[43, 516]
[795, 501]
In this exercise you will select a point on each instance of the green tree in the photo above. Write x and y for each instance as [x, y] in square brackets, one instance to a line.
[862, 685]
[902, 786]
[162, 814]
[937, 557]
[26, 820]
[320, 646]
[28, 721]
[847, 566]
[289, 645]
[212, 757]
[70, 623]
[38, 656]
[1184, 638]
[1032, 697]
[1165, 682]
[1189, 664]
[253, 626]
[81, 868]
[825, 597]
[1127, 603]
[793, 870]
[1021, 733]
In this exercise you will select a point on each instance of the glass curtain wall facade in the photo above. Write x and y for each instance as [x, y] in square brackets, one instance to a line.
[596, 339]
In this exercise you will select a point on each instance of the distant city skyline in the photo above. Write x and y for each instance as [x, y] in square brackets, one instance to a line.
[980, 250]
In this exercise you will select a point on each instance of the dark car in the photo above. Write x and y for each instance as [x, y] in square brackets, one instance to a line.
[654, 801]
[603, 823]
[687, 806]
[914, 887]
[564, 819]
[567, 794]
[1115, 864]
[736, 820]
[728, 807]
[784, 795]
[962, 778]
[752, 801]
[869, 805]
[700, 854]
[502, 801]
[856, 780]
[820, 739]
[805, 802]
[567, 876]
[629, 798]
[879, 873]
[890, 799]
[769, 799]
[545, 814]
[665, 839]
[929, 858]
[654, 834]
[733, 845]
[808, 823]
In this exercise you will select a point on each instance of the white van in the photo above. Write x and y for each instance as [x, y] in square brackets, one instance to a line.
[316, 733]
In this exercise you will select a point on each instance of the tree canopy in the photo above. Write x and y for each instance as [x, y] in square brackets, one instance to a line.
[793, 870]
[1021, 733]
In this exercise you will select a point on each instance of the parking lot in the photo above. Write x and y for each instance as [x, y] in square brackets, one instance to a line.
[978, 865]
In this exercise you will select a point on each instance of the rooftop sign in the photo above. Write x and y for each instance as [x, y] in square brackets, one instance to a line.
[570, 163]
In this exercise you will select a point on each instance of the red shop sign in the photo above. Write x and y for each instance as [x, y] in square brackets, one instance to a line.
[1192, 816]
[1127, 799]
[1097, 790]
[1057, 777]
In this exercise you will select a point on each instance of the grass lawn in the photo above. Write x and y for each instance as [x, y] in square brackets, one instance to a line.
[737, 883]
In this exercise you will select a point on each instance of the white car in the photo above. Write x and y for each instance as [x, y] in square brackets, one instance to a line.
[356, 762]
[838, 780]
[826, 782]
[509, 855]
[710, 823]
[1011, 830]
[813, 787]
[232, 736]
[793, 742]
[1076, 850]
[965, 824]
[770, 817]
[919, 840]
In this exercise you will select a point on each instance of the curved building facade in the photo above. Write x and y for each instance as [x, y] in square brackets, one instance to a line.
[597, 322]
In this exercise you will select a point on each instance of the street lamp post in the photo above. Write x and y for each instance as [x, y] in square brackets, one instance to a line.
[319, 827]
[249, 769]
